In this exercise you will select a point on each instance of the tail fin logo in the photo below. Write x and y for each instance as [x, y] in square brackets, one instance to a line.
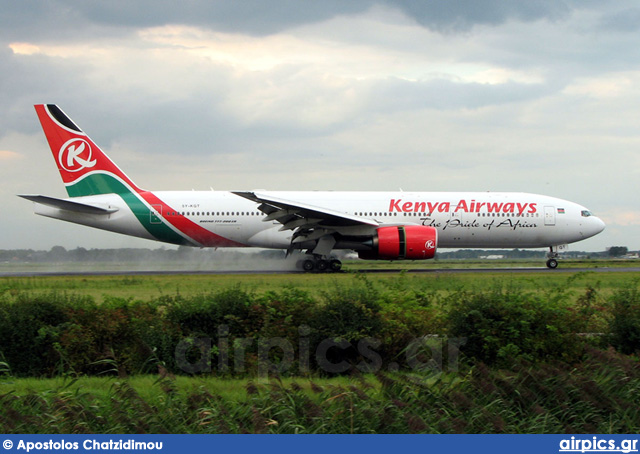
[75, 155]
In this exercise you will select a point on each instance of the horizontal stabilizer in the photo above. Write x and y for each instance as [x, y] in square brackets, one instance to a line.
[69, 205]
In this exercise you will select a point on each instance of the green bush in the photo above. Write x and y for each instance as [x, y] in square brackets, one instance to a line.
[284, 312]
[202, 315]
[348, 312]
[505, 324]
[56, 334]
[346, 316]
[109, 337]
[385, 324]
[29, 328]
[624, 326]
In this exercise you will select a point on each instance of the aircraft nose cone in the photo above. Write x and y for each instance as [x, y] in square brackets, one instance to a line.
[594, 226]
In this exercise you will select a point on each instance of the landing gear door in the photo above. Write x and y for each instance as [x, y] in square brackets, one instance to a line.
[549, 215]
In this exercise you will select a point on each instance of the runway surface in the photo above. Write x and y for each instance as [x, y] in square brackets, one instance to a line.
[266, 271]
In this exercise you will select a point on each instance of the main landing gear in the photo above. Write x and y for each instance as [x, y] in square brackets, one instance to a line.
[318, 264]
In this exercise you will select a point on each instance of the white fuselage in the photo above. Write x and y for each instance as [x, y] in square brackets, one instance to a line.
[462, 219]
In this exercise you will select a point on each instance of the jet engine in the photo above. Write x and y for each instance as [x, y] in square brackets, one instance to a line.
[402, 242]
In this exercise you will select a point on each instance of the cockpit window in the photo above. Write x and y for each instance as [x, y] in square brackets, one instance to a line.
[586, 213]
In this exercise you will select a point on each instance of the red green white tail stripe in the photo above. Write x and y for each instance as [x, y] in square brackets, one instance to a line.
[87, 171]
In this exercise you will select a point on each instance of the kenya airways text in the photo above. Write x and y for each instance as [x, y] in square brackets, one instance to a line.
[400, 206]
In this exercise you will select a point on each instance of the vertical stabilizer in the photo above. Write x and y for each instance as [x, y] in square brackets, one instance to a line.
[85, 169]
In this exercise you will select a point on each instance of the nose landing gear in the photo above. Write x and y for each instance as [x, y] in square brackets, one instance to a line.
[552, 256]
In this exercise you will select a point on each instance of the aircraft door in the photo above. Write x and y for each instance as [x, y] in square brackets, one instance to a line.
[155, 214]
[549, 215]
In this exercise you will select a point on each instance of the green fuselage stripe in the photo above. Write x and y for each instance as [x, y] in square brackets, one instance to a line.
[99, 183]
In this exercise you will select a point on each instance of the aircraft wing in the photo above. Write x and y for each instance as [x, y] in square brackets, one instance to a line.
[297, 215]
[69, 205]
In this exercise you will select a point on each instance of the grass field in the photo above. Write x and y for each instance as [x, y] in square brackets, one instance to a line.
[150, 389]
[598, 396]
[597, 393]
[145, 287]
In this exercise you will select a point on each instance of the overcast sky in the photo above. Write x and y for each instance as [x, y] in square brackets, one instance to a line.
[534, 96]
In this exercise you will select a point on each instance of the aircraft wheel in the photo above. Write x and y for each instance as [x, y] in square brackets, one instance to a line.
[335, 265]
[308, 265]
[321, 266]
[552, 264]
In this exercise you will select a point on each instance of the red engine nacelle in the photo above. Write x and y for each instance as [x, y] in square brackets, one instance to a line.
[410, 242]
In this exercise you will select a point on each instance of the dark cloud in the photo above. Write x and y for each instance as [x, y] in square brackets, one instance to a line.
[260, 17]
[70, 19]
[57, 20]
[28, 80]
[461, 15]
[625, 21]
[252, 16]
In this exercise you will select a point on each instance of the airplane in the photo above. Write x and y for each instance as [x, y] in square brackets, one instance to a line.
[376, 225]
